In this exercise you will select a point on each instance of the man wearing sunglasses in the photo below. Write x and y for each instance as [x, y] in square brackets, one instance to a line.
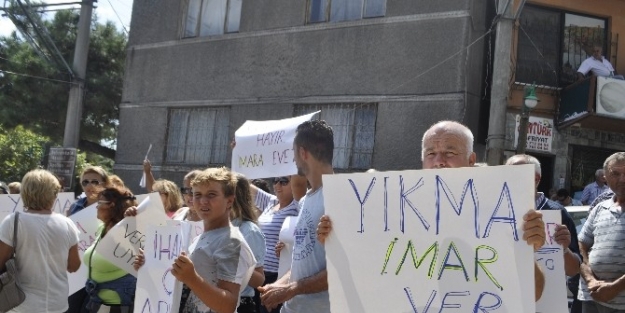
[304, 289]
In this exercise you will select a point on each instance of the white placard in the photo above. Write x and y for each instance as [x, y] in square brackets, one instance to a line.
[423, 241]
[287, 237]
[265, 148]
[87, 222]
[10, 203]
[122, 242]
[157, 289]
[550, 258]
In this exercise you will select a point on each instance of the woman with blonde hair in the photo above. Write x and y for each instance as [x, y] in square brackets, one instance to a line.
[46, 245]
[170, 196]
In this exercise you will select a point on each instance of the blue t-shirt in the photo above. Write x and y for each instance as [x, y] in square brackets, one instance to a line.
[256, 240]
[309, 256]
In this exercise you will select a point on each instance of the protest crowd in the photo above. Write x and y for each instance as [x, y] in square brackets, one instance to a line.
[264, 251]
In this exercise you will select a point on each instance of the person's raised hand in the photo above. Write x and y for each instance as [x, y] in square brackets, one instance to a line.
[534, 229]
[324, 228]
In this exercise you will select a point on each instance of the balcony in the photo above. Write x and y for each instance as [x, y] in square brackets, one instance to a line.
[594, 103]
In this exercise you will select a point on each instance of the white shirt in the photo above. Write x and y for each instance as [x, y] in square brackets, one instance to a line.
[599, 68]
[43, 242]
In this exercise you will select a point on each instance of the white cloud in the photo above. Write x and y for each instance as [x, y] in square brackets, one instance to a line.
[103, 10]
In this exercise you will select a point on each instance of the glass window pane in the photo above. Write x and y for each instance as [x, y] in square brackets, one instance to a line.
[538, 52]
[213, 17]
[364, 137]
[581, 33]
[234, 16]
[193, 14]
[346, 10]
[318, 11]
[375, 8]
[176, 135]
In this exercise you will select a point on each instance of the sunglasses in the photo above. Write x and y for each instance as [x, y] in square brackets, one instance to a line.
[186, 190]
[101, 202]
[94, 182]
[283, 181]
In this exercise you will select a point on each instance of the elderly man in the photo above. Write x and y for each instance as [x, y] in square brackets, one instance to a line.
[602, 243]
[449, 144]
[596, 64]
[594, 189]
[566, 233]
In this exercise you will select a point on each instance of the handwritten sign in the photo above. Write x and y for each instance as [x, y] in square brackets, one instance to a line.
[539, 133]
[87, 223]
[13, 203]
[122, 242]
[423, 241]
[157, 289]
[265, 148]
[550, 258]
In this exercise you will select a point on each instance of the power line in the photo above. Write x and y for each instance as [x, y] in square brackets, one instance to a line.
[119, 18]
[37, 77]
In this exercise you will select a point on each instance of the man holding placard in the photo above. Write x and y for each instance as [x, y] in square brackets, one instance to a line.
[304, 288]
[448, 144]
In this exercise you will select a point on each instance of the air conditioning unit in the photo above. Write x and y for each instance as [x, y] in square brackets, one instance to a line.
[610, 95]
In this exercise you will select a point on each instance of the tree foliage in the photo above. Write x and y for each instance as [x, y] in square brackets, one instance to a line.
[34, 92]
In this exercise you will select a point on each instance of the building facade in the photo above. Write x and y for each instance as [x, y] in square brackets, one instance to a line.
[381, 72]
[569, 131]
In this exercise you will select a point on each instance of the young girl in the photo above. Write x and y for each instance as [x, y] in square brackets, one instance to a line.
[244, 216]
[221, 262]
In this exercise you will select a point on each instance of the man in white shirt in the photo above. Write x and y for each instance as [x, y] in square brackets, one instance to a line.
[596, 64]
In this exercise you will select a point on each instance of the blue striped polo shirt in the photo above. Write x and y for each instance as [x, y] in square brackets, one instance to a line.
[604, 232]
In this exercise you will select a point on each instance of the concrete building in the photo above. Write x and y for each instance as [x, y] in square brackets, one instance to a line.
[381, 72]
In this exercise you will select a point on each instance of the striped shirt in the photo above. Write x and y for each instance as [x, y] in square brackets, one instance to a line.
[604, 232]
[591, 191]
[270, 222]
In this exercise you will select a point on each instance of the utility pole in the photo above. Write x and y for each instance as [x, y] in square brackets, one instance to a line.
[500, 85]
[77, 88]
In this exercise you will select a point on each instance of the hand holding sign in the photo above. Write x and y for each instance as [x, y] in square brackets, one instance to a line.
[265, 148]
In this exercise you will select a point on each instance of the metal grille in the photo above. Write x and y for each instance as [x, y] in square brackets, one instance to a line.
[354, 131]
[198, 136]
[585, 161]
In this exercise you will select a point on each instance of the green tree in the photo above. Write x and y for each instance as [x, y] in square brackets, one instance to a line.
[34, 90]
[22, 150]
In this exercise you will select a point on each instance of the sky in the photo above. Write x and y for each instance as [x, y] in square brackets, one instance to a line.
[104, 9]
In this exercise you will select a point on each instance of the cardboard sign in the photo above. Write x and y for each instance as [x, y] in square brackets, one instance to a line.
[550, 258]
[13, 202]
[265, 148]
[157, 289]
[87, 223]
[423, 241]
[122, 242]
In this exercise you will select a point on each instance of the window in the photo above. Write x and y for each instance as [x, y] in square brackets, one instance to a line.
[354, 131]
[552, 44]
[212, 17]
[344, 10]
[198, 136]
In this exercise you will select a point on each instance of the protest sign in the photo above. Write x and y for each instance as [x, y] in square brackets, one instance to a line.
[422, 241]
[122, 242]
[157, 289]
[10, 203]
[550, 258]
[286, 236]
[265, 148]
[87, 222]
